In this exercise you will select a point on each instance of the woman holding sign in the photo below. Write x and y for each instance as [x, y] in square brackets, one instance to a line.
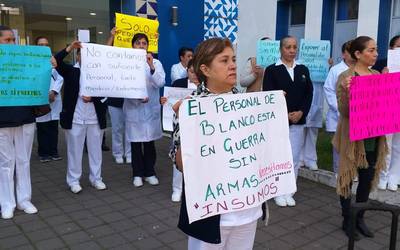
[143, 118]
[294, 79]
[363, 158]
[215, 66]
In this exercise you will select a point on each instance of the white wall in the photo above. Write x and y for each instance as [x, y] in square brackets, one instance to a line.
[368, 18]
[312, 29]
[257, 19]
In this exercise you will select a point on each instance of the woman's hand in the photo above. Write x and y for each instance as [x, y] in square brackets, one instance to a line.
[86, 99]
[52, 96]
[385, 70]
[150, 62]
[295, 116]
[74, 45]
[53, 62]
[163, 100]
[113, 31]
[145, 100]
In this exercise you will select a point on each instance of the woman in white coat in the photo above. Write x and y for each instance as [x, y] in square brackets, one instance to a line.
[143, 118]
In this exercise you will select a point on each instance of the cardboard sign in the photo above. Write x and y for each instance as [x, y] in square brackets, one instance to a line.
[236, 152]
[173, 95]
[25, 73]
[315, 55]
[374, 105]
[128, 26]
[108, 71]
[267, 52]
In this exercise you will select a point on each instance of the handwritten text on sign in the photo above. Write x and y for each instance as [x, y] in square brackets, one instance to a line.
[113, 72]
[315, 55]
[267, 52]
[173, 95]
[128, 26]
[374, 106]
[236, 152]
[24, 75]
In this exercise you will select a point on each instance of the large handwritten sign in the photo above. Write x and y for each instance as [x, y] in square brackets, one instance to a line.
[236, 152]
[113, 72]
[24, 75]
[173, 95]
[393, 60]
[128, 26]
[315, 55]
[374, 105]
[267, 52]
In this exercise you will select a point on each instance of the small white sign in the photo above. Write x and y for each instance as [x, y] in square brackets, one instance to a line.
[393, 60]
[108, 71]
[236, 152]
[173, 95]
[84, 36]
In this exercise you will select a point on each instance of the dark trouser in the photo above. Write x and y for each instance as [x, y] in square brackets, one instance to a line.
[47, 136]
[143, 158]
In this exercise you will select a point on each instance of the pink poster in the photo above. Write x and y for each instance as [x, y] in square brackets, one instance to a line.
[374, 106]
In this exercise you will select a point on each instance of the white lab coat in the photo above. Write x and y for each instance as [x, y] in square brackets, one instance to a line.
[143, 120]
[178, 72]
[332, 116]
[56, 84]
[314, 117]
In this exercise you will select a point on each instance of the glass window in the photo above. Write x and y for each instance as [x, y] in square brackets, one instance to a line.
[347, 9]
[298, 12]
[58, 20]
[396, 8]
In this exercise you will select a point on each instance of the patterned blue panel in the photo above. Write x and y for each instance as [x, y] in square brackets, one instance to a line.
[220, 19]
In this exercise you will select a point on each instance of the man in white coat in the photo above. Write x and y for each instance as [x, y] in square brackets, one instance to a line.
[179, 70]
[332, 116]
[17, 129]
[47, 125]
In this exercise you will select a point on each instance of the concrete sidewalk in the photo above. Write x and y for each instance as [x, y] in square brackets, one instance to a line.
[125, 217]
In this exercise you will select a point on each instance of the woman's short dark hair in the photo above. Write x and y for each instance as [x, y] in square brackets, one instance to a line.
[4, 28]
[346, 46]
[205, 53]
[393, 41]
[182, 51]
[139, 36]
[359, 44]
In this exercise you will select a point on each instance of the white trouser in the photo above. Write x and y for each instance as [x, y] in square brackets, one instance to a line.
[392, 175]
[119, 142]
[232, 238]
[296, 135]
[176, 180]
[308, 153]
[15, 154]
[75, 138]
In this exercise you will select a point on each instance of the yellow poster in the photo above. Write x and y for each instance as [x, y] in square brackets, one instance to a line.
[128, 26]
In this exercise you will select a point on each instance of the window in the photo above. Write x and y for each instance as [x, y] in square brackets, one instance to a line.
[58, 20]
[298, 12]
[347, 10]
[396, 8]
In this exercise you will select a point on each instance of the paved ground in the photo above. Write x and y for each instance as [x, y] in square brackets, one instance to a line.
[124, 217]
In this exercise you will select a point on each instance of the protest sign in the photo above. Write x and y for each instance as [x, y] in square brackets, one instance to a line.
[24, 75]
[393, 60]
[108, 71]
[267, 52]
[374, 105]
[236, 152]
[173, 95]
[128, 26]
[315, 55]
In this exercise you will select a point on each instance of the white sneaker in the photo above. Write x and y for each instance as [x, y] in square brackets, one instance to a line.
[290, 201]
[99, 185]
[7, 213]
[76, 188]
[280, 201]
[176, 196]
[137, 181]
[152, 180]
[313, 167]
[119, 160]
[382, 185]
[392, 187]
[28, 208]
[128, 160]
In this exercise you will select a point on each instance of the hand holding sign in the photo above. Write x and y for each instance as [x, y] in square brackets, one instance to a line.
[74, 45]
